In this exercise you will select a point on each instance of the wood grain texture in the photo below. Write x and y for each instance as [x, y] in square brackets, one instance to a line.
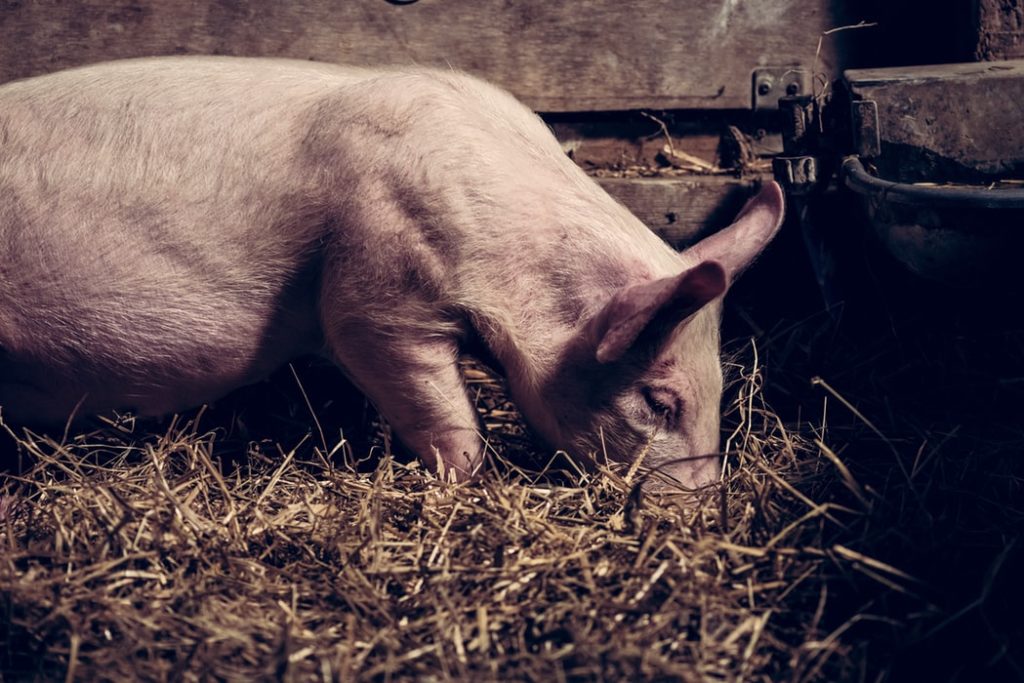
[555, 56]
[682, 210]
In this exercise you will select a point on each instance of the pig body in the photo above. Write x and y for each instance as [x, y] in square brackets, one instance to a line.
[174, 228]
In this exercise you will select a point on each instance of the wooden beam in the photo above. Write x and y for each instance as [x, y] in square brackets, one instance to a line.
[947, 122]
[555, 56]
[682, 210]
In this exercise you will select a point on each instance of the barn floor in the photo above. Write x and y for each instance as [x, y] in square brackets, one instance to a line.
[869, 526]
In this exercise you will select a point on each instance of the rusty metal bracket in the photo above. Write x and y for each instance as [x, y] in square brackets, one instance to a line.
[769, 83]
[799, 117]
[866, 134]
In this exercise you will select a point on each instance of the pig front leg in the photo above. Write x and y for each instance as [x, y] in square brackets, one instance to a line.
[419, 389]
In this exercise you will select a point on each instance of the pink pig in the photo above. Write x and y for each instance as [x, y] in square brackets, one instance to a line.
[174, 228]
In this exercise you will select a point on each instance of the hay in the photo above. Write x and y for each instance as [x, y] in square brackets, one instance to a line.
[142, 556]
[130, 554]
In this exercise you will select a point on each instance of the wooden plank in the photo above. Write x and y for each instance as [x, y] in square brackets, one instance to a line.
[682, 210]
[637, 139]
[555, 56]
[947, 122]
[983, 72]
[616, 146]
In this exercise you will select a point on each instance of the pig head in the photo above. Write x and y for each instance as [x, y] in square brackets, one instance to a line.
[174, 228]
[641, 378]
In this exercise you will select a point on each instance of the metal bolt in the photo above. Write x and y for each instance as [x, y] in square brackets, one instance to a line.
[793, 89]
[764, 86]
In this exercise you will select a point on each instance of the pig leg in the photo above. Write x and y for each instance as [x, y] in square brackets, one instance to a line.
[420, 391]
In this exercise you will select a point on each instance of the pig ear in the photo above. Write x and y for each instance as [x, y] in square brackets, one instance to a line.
[738, 245]
[653, 309]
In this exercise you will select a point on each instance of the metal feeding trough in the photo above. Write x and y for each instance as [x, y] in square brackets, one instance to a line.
[936, 154]
[957, 234]
[939, 164]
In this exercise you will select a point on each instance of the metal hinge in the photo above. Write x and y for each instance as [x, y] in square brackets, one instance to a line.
[866, 136]
[769, 83]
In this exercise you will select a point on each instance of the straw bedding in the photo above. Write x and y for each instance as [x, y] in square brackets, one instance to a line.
[197, 549]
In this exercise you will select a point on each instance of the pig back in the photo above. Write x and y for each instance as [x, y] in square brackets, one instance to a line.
[168, 226]
[157, 247]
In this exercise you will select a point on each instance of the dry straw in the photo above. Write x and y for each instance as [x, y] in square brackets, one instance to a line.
[130, 555]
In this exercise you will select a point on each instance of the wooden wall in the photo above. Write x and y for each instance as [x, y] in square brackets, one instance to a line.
[1000, 29]
[558, 56]
[555, 55]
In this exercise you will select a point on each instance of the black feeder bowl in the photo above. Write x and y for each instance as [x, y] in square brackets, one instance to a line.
[942, 140]
[957, 234]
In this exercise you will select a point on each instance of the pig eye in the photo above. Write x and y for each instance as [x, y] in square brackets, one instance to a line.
[662, 403]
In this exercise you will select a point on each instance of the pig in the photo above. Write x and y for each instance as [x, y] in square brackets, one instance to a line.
[174, 228]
